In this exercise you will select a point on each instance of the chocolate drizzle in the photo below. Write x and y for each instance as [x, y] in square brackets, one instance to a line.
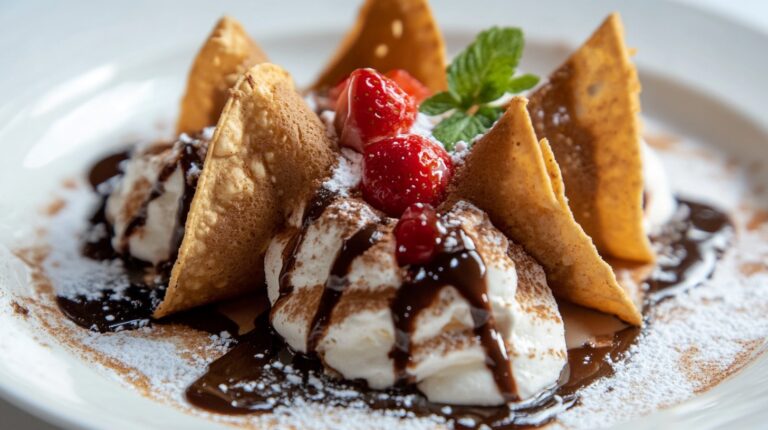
[110, 310]
[321, 200]
[106, 168]
[98, 245]
[337, 281]
[460, 266]
[189, 159]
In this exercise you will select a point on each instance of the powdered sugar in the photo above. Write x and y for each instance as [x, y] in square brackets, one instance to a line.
[347, 174]
[85, 277]
[328, 117]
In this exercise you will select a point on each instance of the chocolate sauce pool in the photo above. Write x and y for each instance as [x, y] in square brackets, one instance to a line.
[261, 373]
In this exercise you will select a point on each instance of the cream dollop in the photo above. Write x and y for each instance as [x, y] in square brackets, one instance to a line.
[145, 203]
[448, 363]
[660, 203]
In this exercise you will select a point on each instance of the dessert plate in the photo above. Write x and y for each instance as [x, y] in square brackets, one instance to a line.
[71, 95]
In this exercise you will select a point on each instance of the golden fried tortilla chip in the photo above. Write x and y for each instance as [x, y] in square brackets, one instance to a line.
[226, 54]
[515, 179]
[391, 34]
[588, 111]
[248, 181]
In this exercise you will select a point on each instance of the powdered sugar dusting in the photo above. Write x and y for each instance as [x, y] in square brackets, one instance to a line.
[85, 277]
[347, 174]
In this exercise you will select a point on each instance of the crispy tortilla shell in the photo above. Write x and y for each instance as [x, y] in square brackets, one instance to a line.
[226, 54]
[391, 34]
[515, 179]
[248, 181]
[589, 112]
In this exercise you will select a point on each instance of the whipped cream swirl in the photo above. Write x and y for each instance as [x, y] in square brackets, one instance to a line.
[147, 204]
[338, 291]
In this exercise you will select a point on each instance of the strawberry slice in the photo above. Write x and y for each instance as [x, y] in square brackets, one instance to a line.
[371, 107]
[403, 170]
[409, 84]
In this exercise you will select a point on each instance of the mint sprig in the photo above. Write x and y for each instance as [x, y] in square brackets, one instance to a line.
[481, 74]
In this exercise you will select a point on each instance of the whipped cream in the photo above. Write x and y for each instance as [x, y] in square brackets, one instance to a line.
[447, 361]
[146, 204]
[660, 202]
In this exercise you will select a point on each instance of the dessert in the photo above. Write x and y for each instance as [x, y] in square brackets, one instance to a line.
[244, 186]
[370, 319]
[147, 207]
[422, 233]
[231, 184]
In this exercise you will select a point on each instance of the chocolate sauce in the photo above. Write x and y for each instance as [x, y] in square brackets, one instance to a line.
[262, 373]
[106, 168]
[321, 200]
[691, 244]
[587, 364]
[98, 244]
[458, 265]
[190, 160]
[337, 281]
[207, 319]
[110, 310]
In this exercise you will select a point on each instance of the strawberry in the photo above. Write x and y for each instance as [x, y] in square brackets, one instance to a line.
[417, 235]
[409, 84]
[402, 170]
[371, 107]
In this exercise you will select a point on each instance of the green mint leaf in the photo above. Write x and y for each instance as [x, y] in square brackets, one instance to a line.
[484, 68]
[439, 103]
[489, 115]
[459, 126]
[481, 74]
[521, 83]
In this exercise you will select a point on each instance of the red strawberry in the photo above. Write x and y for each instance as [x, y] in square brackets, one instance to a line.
[417, 235]
[402, 170]
[409, 84]
[370, 107]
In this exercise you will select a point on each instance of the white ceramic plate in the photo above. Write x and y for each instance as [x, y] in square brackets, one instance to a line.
[77, 77]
